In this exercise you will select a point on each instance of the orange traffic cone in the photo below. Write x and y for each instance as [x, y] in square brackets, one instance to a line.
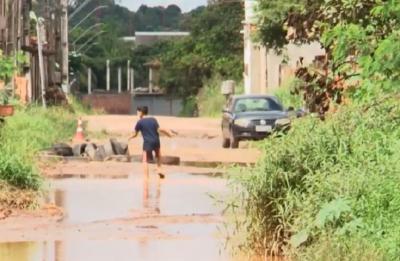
[79, 136]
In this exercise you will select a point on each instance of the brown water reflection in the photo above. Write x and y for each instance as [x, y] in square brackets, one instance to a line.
[165, 250]
[86, 200]
[91, 200]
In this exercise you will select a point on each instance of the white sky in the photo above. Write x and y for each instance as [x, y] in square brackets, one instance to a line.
[185, 5]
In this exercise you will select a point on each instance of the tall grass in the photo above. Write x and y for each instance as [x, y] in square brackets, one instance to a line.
[23, 135]
[286, 95]
[327, 190]
[210, 100]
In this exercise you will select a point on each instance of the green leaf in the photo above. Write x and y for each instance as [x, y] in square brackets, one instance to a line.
[299, 238]
[331, 211]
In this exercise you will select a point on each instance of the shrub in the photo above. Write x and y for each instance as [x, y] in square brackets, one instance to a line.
[286, 94]
[210, 100]
[23, 135]
[326, 187]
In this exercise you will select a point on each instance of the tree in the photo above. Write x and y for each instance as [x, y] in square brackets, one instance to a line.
[359, 37]
[214, 47]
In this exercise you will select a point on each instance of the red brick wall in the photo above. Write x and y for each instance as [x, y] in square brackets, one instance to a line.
[110, 103]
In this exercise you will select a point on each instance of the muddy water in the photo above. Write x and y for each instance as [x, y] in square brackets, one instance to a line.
[100, 199]
[198, 249]
[90, 205]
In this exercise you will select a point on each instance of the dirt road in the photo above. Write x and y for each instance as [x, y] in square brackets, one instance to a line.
[110, 211]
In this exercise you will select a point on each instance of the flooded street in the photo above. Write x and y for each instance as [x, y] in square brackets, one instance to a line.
[111, 211]
[138, 218]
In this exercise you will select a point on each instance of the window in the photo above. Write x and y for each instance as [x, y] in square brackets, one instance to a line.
[257, 104]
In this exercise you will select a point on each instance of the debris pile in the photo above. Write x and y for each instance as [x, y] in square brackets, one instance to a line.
[112, 149]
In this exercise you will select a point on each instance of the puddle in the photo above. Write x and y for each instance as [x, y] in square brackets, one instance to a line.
[89, 200]
[163, 237]
[154, 250]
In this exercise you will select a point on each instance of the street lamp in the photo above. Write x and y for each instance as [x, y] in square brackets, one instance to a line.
[87, 16]
[71, 16]
[89, 40]
[85, 32]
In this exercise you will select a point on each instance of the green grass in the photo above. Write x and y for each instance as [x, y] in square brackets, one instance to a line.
[77, 107]
[210, 100]
[286, 95]
[327, 190]
[24, 134]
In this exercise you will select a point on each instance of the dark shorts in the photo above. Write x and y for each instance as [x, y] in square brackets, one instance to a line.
[151, 146]
[148, 149]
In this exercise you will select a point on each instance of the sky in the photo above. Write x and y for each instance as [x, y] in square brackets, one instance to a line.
[185, 5]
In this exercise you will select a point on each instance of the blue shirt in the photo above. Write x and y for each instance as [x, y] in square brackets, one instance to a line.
[149, 129]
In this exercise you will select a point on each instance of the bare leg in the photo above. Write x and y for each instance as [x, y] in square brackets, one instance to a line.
[146, 191]
[145, 164]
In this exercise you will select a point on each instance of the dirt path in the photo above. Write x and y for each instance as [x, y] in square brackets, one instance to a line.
[110, 211]
[198, 139]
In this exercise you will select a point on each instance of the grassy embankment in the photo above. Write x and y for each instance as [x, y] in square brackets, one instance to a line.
[327, 190]
[30, 130]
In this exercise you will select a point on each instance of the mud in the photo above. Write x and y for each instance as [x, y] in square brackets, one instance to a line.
[111, 211]
[139, 218]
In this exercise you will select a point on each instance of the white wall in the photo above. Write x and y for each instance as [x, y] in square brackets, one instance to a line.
[293, 53]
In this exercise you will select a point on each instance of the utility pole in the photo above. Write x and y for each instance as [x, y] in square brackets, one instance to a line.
[108, 75]
[64, 46]
[39, 26]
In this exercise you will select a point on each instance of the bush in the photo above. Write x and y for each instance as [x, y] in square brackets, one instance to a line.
[23, 135]
[327, 187]
[210, 100]
[286, 94]
[189, 108]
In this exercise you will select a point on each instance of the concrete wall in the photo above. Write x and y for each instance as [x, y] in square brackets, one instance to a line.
[265, 70]
[126, 103]
[109, 103]
[279, 71]
[158, 104]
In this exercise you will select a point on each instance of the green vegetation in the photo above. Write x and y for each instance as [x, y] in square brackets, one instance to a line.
[329, 189]
[6, 67]
[210, 100]
[146, 18]
[23, 136]
[288, 97]
[105, 41]
[214, 48]
[359, 38]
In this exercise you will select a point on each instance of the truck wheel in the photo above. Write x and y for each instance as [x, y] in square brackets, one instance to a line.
[226, 143]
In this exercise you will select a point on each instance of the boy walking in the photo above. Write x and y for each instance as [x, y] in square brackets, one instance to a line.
[150, 130]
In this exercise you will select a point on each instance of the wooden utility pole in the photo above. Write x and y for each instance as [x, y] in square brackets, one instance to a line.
[39, 25]
[64, 46]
